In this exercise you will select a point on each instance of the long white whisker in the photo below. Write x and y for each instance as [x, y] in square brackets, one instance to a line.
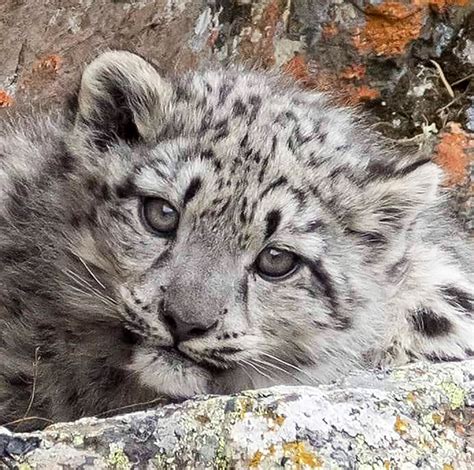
[91, 273]
[254, 367]
[81, 281]
[281, 361]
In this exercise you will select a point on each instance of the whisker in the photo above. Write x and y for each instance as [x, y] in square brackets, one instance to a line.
[82, 282]
[254, 367]
[281, 361]
[91, 273]
[274, 366]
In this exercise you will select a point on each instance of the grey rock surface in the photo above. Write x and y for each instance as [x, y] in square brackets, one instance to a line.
[418, 416]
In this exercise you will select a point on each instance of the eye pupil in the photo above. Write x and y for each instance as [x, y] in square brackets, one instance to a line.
[160, 215]
[275, 263]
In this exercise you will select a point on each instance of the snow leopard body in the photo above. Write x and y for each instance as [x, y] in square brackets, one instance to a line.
[91, 297]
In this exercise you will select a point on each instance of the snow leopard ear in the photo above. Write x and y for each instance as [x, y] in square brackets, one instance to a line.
[391, 202]
[121, 96]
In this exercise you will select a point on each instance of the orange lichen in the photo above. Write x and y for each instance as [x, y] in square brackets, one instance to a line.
[323, 80]
[51, 63]
[297, 68]
[256, 460]
[258, 42]
[5, 99]
[355, 71]
[300, 456]
[441, 4]
[363, 93]
[452, 153]
[401, 426]
[389, 28]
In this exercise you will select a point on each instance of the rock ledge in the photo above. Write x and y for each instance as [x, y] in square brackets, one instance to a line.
[419, 416]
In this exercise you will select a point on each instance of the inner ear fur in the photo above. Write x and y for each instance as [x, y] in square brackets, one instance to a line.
[389, 205]
[122, 96]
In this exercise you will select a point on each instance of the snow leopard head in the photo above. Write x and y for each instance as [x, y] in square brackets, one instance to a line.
[243, 231]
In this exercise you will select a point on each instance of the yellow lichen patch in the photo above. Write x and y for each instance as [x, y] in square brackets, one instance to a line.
[386, 465]
[452, 154]
[256, 459]
[437, 418]
[455, 394]
[118, 460]
[5, 99]
[401, 426]
[243, 406]
[300, 456]
[411, 397]
[279, 419]
[389, 28]
[448, 466]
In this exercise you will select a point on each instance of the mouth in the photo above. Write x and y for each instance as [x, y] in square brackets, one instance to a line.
[175, 355]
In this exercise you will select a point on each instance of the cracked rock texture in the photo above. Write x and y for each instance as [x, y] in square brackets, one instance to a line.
[419, 416]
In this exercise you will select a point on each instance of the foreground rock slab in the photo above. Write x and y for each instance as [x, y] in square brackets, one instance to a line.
[419, 416]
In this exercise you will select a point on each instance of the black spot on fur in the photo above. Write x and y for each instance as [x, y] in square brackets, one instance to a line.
[273, 220]
[412, 167]
[313, 226]
[126, 189]
[255, 102]
[281, 181]
[192, 190]
[239, 108]
[224, 92]
[373, 239]
[208, 154]
[458, 299]
[430, 323]
[324, 281]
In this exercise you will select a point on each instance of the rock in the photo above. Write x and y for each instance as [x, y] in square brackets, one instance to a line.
[418, 416]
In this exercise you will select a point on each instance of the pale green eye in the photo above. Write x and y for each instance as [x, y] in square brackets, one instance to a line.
[160, 215]
[275, 263]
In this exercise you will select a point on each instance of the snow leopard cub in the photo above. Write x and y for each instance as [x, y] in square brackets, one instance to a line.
[215, 232]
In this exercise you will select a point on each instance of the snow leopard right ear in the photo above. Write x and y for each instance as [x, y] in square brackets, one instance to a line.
[121, 96]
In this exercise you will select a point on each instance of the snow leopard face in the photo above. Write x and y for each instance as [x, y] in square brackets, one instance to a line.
[216, 232]
[235, 225]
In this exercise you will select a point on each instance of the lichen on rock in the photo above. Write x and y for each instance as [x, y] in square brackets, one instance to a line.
[417, 416]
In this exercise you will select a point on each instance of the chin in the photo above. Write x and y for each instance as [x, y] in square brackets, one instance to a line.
[171, 374]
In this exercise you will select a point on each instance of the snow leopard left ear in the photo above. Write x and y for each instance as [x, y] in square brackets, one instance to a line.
[121, 96]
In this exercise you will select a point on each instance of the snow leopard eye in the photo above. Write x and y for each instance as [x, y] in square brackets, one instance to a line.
[275, 263]
[160, 215]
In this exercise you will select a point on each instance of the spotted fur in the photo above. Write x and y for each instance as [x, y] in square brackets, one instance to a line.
[89, 292]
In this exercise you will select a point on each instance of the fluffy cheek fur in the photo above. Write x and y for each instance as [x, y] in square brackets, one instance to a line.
[170, 376]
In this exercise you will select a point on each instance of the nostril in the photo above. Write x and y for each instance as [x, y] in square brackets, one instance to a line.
[193, 332]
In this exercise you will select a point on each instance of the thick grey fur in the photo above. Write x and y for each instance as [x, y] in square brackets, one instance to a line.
[385, 274]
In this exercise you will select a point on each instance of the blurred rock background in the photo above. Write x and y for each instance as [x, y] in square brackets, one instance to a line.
[408, 63]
